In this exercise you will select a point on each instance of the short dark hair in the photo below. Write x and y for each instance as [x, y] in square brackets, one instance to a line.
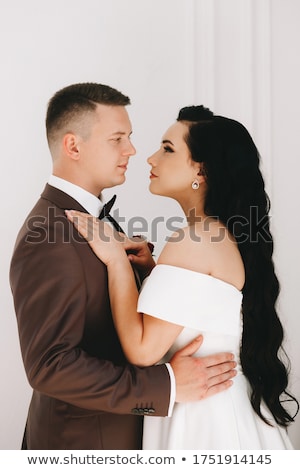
[76, 99]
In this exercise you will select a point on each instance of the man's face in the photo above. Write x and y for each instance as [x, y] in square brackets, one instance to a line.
[105, 153]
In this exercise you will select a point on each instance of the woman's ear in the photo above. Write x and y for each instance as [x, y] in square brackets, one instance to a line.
[201, 173]
[71, 146]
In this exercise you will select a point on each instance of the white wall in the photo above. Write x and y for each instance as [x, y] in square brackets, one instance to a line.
[240, 58]
[285, 105]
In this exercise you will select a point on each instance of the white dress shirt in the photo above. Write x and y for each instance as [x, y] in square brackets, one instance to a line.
[93, 205]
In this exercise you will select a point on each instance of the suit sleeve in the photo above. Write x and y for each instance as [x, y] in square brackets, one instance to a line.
[49, 290]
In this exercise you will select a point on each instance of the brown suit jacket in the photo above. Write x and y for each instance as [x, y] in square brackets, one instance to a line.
[85, 395]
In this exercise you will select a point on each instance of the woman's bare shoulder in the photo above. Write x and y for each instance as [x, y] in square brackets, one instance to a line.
[207, 248]
[187, 248]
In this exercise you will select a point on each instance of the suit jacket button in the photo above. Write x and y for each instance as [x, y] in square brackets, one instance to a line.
[151, 410]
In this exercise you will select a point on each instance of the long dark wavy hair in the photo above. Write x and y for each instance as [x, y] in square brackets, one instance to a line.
[236, 196]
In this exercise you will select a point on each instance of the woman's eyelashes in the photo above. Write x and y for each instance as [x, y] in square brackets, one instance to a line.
[168, 149]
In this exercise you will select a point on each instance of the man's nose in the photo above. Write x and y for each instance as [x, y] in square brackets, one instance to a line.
[130, 149]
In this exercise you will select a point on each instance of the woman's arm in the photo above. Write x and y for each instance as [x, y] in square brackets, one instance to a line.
[144, 339]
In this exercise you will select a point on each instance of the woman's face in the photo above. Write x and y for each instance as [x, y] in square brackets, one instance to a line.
[173, 170]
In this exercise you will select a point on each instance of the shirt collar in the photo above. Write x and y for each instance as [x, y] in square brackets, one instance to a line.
[91, 203]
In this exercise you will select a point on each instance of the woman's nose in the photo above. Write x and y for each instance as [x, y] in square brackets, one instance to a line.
[152, 160]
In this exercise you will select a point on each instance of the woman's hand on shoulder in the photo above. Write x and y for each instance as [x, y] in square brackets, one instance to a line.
[106, 243]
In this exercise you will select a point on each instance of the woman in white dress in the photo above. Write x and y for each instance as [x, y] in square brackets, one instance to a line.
[215, 277]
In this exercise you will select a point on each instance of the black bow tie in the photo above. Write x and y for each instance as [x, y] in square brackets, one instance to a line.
[106, 213]
[107, 207]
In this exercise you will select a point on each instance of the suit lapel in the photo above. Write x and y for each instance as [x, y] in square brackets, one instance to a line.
[61, 199]
[64, 201]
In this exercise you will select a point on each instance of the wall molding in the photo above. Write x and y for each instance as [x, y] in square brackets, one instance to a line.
[232, 45]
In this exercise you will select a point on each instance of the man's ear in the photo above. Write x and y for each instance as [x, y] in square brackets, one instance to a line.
[71, 146]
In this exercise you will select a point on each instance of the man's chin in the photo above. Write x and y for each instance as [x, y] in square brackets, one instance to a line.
[120, 180]
[117, 182]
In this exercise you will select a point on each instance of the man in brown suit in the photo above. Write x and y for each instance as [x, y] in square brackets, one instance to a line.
[85, 394]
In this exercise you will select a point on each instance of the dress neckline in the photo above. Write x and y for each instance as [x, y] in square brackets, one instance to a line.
[208, 276]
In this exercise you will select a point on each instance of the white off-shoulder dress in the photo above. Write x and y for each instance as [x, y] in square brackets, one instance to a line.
[204, 304]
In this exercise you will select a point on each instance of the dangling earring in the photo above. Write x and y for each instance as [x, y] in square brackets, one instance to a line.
[195, 184]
